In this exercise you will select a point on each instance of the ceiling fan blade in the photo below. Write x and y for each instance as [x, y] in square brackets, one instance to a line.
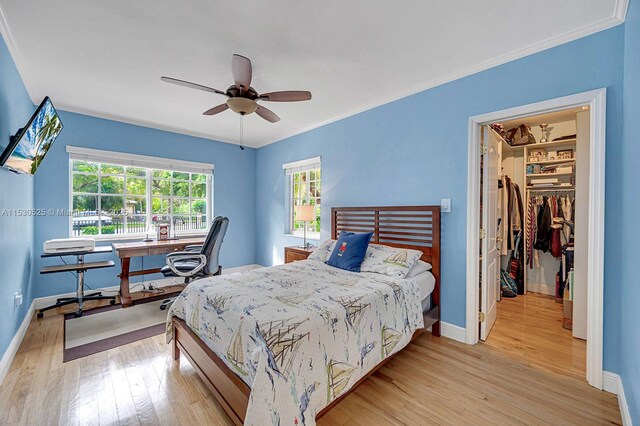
[242, 72]
[286, 96]
[267, 114]
[216, 109]
[192, 85]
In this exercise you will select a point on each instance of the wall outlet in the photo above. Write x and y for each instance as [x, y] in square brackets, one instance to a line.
[445, 205]
[17, 300]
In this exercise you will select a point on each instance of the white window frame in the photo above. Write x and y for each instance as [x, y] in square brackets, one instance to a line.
[290, 169]
[146, 162]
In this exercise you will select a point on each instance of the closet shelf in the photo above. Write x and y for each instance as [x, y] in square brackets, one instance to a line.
[552, 189]
[567, 160]
[550, 174]
[554, 143]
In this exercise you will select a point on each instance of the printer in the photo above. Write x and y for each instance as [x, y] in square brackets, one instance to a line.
[68, 245]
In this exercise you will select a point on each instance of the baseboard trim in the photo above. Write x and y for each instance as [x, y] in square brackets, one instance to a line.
[454, 332]
[549, 290]
[41, 302]
[10, 353]
[612, 382]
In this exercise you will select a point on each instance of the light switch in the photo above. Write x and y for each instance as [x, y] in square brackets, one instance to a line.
[445, 205]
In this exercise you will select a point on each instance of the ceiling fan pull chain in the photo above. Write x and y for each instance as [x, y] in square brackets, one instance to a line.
[242, 132]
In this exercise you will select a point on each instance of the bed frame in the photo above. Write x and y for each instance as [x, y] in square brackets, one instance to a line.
[413, 227]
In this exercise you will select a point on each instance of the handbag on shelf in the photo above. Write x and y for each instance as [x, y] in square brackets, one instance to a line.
[519, 136]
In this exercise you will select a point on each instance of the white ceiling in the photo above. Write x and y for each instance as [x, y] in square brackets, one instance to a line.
[106, 58]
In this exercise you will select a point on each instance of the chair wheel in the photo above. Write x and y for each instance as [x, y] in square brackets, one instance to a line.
[112, 302]
[77, 314]
[163, 307]
[40, 315]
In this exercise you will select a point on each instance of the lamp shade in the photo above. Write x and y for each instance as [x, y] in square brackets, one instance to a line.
[305, 213]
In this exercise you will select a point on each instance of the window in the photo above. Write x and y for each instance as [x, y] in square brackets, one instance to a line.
[304, 188]
[121, 196]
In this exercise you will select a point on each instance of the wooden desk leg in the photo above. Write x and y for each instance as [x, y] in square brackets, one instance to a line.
[125, 296]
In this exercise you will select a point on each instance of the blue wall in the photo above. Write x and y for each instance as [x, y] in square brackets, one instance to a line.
[629, 243]
[234, 191]
[414, 151]
[16, 192]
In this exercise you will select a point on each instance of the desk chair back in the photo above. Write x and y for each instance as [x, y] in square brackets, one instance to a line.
[213, 243]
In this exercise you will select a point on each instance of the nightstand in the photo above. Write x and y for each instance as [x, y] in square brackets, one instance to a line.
[293, 253]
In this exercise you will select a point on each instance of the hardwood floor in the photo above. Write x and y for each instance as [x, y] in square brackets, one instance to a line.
[432, 381]
[529, 328]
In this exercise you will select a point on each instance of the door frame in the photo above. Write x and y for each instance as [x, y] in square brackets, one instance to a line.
[596, 101]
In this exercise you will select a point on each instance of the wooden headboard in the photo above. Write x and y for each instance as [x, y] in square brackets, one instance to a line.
[412, 227]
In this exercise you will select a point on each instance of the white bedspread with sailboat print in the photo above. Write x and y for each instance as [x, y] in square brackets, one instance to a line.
[300, 334]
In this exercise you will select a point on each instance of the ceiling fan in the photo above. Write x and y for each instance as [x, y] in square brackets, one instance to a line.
[243, 98]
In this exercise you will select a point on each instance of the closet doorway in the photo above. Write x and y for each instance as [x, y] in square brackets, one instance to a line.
[535, 236]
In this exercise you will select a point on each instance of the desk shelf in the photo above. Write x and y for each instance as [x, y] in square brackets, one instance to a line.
[74, 267]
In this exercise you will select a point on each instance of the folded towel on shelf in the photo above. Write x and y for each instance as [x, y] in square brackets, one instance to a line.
[540, 181]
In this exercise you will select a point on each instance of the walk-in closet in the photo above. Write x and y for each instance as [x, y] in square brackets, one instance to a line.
[534, 237]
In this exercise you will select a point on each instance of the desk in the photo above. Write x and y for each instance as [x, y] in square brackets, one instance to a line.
[126, 251]
[79, 268]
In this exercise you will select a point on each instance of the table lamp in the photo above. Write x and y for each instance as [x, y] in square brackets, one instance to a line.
[305, 213]
[151, 229]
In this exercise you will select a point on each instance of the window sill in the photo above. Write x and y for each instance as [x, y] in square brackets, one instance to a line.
[118, 238]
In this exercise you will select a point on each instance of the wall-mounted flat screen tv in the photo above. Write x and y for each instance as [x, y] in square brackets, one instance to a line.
[29, 146]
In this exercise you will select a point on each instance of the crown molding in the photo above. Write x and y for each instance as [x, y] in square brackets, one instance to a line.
[617, 18]
[620, 10]
[147, 124]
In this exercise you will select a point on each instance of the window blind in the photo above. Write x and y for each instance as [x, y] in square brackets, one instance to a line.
[302, 165]
[145, 161]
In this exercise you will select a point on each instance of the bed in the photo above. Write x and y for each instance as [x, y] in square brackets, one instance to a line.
[284, 344]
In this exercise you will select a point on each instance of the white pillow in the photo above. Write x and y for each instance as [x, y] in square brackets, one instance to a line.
[323, 251]
[391, 261]
[417, 269]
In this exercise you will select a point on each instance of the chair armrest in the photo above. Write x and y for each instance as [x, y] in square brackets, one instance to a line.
[185, 255]
[193, 247]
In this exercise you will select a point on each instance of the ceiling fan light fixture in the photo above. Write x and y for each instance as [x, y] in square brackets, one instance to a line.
[243, 97]
[242, 105]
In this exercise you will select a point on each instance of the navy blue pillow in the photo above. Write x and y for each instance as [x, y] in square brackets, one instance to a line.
[349, 251]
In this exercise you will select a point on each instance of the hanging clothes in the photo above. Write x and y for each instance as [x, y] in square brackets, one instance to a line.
[532, 229]
[503, 227]
[567, 213]
[511, 228]
[550, 225]
[511, 214]
[555, 245]
[543, 227]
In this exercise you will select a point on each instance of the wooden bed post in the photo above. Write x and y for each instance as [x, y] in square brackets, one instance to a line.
[436, 270]
[175, 350]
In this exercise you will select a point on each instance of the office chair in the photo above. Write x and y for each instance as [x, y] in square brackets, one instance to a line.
[197, 261]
